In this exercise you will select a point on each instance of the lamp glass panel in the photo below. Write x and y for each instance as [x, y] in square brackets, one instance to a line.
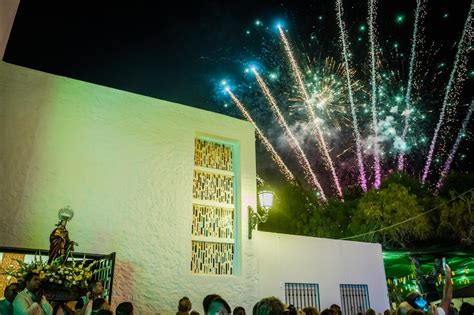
[266, 199]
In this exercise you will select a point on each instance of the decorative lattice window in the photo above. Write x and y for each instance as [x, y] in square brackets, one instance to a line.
[213, 226]
[302, 295]
[354, 298]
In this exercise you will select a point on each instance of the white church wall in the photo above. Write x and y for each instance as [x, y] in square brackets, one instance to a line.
[298, 259]
[124, 163]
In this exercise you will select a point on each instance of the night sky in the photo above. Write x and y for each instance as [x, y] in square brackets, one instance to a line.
[179, 51]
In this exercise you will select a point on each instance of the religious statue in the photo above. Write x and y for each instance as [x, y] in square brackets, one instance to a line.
[60, 245]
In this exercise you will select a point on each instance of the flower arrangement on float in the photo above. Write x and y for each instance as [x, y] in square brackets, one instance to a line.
[74, 275]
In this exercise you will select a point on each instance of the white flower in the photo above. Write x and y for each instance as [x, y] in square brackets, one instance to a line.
[51, 280]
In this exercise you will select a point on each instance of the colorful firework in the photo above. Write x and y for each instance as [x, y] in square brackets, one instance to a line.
[355, 110]
[461, 134]
[454, 83]
[303, 160]
[307, 101]
[268, 146]
[419, 14]
[372, 17]
[345, 55]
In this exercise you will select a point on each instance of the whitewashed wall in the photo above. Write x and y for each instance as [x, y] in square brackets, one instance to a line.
[124, 163]
[299, 259]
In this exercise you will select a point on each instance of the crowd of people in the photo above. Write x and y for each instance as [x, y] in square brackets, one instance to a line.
[31, 301]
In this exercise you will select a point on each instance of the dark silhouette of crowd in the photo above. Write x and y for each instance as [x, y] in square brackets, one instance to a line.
[32, 301]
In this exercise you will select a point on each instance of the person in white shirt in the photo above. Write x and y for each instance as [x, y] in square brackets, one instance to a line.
[31, 301]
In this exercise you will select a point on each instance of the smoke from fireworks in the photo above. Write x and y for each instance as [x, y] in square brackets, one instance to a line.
[303, 160]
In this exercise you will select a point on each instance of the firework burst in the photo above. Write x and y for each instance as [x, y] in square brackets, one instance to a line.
[339, 113]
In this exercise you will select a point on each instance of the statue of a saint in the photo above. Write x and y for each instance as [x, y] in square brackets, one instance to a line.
[60, 245]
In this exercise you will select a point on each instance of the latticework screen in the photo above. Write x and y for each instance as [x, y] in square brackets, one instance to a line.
[212, 258]
[213, 222]
[213, 187]
[213, 155]
[213, 225]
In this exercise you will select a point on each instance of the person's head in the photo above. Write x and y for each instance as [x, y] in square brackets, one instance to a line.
[255, 308]
[291, 310]
[11, 291]
[417, 301]
[96, 288]
[184, 305]
[370, 312]
[403, 308]
[100, 304]
[270, 306]
[207, 301]
[219, 306]
[310, 311]
[329, 311]
[124, 308]
[239, 310]
[32, 281]
[387, 312]
[466, 308]
[336, 308]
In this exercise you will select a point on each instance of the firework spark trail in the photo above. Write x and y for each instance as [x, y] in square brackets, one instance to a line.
[463, 46]
[343, 38]
[319, 136]
[447, 164]
[420, 7]
[372, 17]
[291, 138]
[275, 157]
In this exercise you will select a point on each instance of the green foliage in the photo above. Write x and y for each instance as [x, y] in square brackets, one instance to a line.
[401, 197]
[381, 208]
[457, 220]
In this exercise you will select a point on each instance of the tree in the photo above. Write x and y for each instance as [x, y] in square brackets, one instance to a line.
[457, 219]
[382, 208]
